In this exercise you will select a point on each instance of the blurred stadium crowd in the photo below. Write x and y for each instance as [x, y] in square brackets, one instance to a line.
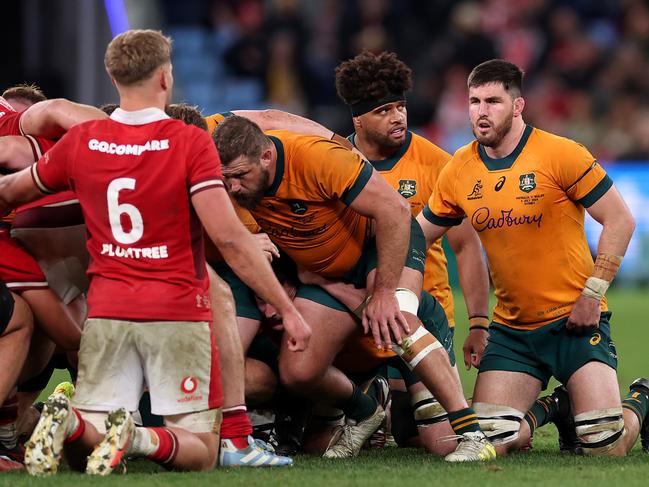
[586, 62]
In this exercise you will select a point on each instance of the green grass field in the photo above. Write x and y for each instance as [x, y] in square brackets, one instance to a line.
[544, 465]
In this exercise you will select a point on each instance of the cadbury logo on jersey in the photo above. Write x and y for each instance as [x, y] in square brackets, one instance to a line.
[127, 149]
[483, 220]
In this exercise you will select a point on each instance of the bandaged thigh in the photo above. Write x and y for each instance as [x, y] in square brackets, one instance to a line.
[415, 347]
[599, 431]
[499, 423]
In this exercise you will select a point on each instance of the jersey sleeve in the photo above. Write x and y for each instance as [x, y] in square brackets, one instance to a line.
[580, 175]
[334, 171]
[204, 165]
[52, 172]
[442, 208]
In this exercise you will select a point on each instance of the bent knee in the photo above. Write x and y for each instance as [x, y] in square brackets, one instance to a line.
[601, 431]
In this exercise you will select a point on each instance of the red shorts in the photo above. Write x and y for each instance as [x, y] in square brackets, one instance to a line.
[18, 269]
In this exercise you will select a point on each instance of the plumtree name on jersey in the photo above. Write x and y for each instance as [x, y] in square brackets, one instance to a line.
[157, 252]
[127, 149]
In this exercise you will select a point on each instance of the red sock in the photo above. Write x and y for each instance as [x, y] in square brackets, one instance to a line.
[167, 446]
[236, 426]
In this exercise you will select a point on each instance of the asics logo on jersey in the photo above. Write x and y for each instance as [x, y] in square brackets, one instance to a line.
[501, 182]
[127, 149]
[483, 220]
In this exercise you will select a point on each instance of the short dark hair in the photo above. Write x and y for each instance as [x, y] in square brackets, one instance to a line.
[190, 114]
[371, 76]
[498, 71]
[28, 92]
[108, 108]
[237, 136]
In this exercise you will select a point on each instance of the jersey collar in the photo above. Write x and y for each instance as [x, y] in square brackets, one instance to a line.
[139, 117]
[279, 166]
[507, 161]
[388, 163]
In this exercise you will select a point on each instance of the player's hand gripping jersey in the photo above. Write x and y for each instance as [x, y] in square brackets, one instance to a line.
[528, 210]
[134, 174]
[305, 211]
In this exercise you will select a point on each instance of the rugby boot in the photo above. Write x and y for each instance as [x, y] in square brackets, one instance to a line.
[43, 450]
[109, 454]
[641, 385]
[287, 433]
[563, 419]
[349, 439]
[256, 454]
[473, 446]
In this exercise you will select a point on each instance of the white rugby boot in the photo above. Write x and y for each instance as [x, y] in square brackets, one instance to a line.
[43, 450]
[472, 447]
[352, 435]
[107, 456]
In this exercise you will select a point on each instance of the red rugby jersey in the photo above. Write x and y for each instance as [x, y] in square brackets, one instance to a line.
[134, 175]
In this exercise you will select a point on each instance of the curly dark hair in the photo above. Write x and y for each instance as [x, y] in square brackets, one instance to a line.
[372, 76]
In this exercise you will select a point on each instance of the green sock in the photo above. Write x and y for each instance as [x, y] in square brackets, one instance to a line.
[638, 403]
[464, 421]
[540, 413]
[359, 406]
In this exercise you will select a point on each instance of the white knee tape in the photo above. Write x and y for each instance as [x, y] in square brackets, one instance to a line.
[499, 423]
[600, 430]
[426, 409]
[414, 348]
[408, 301]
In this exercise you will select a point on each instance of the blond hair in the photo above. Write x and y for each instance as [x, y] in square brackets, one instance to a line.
[134, 55]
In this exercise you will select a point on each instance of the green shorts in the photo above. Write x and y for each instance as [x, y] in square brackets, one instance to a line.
[367, 262]
[430, 313]
[548, 351]
[244, 298]
[265, 350]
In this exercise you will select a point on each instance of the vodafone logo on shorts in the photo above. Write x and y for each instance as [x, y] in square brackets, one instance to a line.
[188, 385]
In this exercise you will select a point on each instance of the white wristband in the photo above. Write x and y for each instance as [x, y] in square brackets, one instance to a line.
[595, 288]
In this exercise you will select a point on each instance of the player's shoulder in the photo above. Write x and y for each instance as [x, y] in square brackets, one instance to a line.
[554, 144]
[426, 153]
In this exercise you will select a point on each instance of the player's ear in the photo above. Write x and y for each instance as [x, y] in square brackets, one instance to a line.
[357, 122]
[519, 105]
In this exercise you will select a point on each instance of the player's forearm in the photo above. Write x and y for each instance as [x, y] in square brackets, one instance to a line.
[15, 153]
[17, 189]
[272, 119]
[616, 235]
[392, 241]
[345, 293]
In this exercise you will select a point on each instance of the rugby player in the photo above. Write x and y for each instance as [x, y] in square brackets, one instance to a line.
[16, 324]
[149, 292]
[238, 448]
[322, 205]
[525, 192]
[374, 88]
